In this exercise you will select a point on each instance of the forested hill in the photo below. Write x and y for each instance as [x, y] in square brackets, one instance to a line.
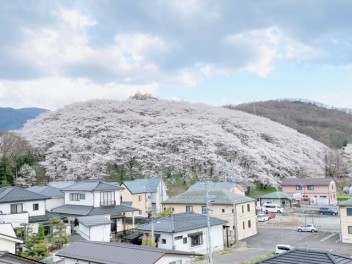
[150, 137]
[11, 118]
[332, 127]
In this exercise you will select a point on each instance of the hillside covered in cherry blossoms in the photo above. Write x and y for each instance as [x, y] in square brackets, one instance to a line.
[90, 139]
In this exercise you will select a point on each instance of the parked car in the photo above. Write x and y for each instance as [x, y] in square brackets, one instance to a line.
[307, 228]
[327, 211]
[282, 248]
[262, 217]
[272, 208]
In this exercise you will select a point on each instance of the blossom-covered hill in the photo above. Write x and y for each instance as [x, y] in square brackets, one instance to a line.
[86, 140]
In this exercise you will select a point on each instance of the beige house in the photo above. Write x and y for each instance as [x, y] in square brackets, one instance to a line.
[236, 209]
[346, 221]
[318, 191]
[146, 195]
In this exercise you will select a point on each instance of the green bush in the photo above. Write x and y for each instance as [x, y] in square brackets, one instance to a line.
[342, 198]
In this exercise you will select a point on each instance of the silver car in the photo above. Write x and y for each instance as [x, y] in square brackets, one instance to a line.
[307, 228]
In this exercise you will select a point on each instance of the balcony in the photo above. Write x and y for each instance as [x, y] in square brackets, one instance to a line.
[16, 219]
[106, 203]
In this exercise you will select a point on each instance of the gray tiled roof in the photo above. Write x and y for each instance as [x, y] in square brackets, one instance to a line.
[199, 197]
[70, 209]
[61, 184]
[306, 181]
[6, 257]
[50, 191]
[307, 256]
[92, 186]
[277, 195]
[181, 222]
[116, 253]
[17, 194]
[142, 185]
[94, 220]
[346, 203]
[44, 218]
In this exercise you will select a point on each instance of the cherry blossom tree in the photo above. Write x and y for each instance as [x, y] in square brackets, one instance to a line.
[150, 136]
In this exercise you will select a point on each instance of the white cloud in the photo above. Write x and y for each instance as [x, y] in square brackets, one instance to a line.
[54, 92]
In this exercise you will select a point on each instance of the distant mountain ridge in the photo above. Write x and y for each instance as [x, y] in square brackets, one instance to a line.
[331, 126]
[11, 118]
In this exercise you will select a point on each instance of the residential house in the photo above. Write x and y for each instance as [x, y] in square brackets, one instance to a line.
[218, 186]
[186, 232]
[94, 197]
[319, 191]
[283, 199]
[19, 206]
[85, 252]
[95, 228]
[345, 213]
[57, 197]
[307, 256]
[10, 258]
[8, 238]
[147, 195]
[237, 210]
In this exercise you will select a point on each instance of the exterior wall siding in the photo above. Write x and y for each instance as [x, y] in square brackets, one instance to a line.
[346, 221]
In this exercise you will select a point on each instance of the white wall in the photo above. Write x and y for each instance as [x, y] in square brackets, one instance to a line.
[89, 199]
[15, 219]
[216, 234]
[54, 203]
[7, 245]
[27, 207]
[171, 258]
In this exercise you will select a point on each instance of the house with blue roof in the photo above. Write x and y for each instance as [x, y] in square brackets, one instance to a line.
[147, 195]
[94, 198]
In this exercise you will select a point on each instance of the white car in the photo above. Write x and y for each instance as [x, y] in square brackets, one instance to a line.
[262, 217]
[282, 248]
[307, 228]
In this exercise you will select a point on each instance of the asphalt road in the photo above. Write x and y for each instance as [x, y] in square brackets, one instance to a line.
[283, 230]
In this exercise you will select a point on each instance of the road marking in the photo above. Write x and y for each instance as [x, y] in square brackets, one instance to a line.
[337, 241]
[326, 238]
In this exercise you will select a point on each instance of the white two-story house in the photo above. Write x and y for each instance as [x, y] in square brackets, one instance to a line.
[147, 195]
[57, 197]
[93, 198]
[19, 206]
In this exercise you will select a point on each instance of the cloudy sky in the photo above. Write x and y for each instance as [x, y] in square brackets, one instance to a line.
[218, 52]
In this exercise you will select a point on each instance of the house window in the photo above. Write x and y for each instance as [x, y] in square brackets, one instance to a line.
[140, 212]
[248, 207]
[196, 239]
[16, 208]
[242, 208]
[185, 240]
[204, 209]
[349, 229]
[35, 207]
[189, 208]
[244, 225]
[163, 241]
[178, 237]
[107, 198]
[223, 210]
[139, 198]
[149, 197]
[298, 187]
[233, 210]
[310, 187]
[349, 211]
[77, 196]
[249, 223]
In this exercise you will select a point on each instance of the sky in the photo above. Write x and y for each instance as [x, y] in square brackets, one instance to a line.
[220, 52]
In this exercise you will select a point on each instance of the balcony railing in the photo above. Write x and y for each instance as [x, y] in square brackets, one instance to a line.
[107, 203]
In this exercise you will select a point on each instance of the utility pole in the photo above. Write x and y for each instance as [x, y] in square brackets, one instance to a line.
[210, 253]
